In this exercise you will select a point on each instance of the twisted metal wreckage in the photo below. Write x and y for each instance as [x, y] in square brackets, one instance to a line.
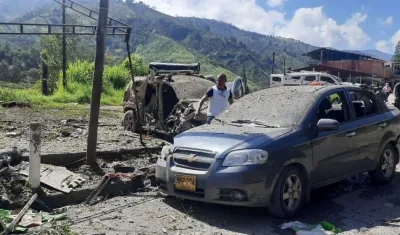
[169, 97]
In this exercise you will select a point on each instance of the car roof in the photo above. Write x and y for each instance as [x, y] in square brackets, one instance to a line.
[314, 89]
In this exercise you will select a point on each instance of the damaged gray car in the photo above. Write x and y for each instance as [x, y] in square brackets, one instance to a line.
[288, 141]
[169, 97]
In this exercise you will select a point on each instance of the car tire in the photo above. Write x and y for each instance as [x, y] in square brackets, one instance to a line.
[289, 193]
[130, 121]
[386, 167]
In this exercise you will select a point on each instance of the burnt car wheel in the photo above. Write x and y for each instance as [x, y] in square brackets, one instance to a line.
[386, 167]
[288, 196]
[129, 121]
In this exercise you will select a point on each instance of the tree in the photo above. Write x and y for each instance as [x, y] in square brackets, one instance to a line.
[396, 56]
[139, 68]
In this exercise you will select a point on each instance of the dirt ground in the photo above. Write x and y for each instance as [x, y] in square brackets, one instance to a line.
[354, 205]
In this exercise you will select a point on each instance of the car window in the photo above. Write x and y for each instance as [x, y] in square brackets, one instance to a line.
[276, 79]
[363, 104]
[309, 78]
[327, 80]
[334, 106]
[295, 78]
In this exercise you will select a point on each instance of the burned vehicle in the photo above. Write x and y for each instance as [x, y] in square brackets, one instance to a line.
[169, 97]
[273, 154]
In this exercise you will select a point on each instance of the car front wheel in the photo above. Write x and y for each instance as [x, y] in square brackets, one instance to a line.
[386, 166]
[289, 194]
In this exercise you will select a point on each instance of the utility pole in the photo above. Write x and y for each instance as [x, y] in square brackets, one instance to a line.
[273, 62]
[284, 64]
[64, 48]
[97, 83]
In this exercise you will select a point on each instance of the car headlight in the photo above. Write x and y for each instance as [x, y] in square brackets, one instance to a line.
[246, 157]
[165, 152]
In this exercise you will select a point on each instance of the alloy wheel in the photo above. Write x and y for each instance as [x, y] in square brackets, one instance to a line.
[292, 192]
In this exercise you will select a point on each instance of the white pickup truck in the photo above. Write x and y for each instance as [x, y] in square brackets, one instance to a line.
[303, 78]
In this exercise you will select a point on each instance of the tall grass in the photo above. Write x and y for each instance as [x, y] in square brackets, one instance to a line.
[79, 87]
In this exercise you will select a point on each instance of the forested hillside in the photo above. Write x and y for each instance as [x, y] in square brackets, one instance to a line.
[218, 46]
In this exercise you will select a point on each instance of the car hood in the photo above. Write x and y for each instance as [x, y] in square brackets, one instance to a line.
[220, 138]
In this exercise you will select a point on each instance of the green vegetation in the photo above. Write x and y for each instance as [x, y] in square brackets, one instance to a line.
[396, 56]
[217, 46]
[78, 90]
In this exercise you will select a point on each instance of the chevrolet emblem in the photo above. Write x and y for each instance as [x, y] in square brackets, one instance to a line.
[192, 158]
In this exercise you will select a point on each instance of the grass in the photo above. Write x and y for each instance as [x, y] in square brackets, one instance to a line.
[78, 90]
[59, 99]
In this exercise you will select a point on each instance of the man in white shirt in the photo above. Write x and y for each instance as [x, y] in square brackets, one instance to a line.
[219, 96]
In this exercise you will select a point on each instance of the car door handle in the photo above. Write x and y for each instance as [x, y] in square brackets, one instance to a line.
[383, 124]
[351, 134]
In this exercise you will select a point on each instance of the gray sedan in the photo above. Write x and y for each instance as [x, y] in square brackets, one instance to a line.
[270, 148]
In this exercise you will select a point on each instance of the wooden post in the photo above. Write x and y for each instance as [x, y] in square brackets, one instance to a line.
[97, 83]
[34, 155]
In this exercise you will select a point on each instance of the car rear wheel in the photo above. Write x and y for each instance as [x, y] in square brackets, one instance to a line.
[289, 193]
[386, 167]
[130, 121]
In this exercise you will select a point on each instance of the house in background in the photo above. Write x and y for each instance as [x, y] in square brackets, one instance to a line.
[351, 67]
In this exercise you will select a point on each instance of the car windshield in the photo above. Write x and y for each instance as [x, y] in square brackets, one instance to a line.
[273, 107]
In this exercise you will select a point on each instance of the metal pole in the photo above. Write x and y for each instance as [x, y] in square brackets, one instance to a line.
[97, 83]
[34, 155]
[64, 49]
[273, 62]
[138, 117]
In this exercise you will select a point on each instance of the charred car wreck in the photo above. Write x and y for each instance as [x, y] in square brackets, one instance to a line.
[168, 98]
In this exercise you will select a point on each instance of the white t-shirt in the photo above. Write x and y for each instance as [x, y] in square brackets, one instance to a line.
[219, 100]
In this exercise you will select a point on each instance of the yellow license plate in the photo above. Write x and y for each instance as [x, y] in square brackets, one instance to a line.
[185, 182]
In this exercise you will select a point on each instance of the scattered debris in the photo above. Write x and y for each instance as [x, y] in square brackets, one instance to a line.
[15, 221]
[14, 191]
[323, 228]
[13, 134]
[19, 104]
[29, 220]
[58, 178]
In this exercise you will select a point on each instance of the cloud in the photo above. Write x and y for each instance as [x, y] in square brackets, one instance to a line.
[387, 21]
[389, 45]
[275, 3]
[245, 14]
[383, 46]
[310, 25]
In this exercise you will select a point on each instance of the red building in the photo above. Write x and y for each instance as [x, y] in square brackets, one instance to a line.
[350, 66]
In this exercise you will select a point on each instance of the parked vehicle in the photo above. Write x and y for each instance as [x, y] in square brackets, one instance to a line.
[303, 78]
[168, 98]
[288, 141]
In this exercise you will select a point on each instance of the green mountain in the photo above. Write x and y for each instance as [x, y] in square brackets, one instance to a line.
[218, 46]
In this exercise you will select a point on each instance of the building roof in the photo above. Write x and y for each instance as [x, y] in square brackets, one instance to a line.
[335, 71]
[333, 54]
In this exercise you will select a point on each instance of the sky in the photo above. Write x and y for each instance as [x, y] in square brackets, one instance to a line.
[341, 24]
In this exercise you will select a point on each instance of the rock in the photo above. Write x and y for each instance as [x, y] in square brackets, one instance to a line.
[66, 132]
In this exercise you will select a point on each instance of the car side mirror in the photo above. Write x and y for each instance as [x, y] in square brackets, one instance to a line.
[327, 125]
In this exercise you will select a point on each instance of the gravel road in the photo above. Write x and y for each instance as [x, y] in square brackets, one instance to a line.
[353, 205]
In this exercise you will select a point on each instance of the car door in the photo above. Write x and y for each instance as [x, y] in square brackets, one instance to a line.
[370, 122]
[334, 150]
[238, 88]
